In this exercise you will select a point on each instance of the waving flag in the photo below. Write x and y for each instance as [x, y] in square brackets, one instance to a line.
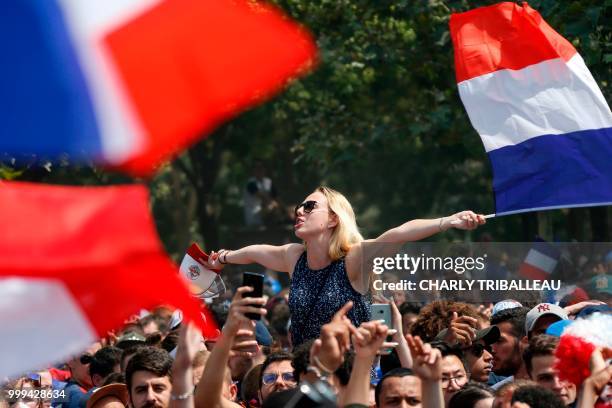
[130, 83]
[541, 261]
[75, 263]
[543, 120]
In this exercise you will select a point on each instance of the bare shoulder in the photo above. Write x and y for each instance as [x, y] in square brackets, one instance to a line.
[292, 254]
[354, 267]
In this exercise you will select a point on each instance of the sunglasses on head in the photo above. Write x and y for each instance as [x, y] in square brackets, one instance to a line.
[270, 378]
[478, 349]
[308, 207]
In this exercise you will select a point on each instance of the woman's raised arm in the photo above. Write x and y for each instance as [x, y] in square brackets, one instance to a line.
[278, 258]
[416, 230]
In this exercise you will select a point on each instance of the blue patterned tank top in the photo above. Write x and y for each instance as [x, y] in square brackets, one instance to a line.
[316, 295]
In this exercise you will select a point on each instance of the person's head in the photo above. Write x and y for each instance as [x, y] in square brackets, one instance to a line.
[79, 366]
[249, 387]
[148, 378]
[454, 371]
[541, 316]
[150, 324]
[104, 362]
[479, 356]
[300, 362]
[198, 364]
[473, 395]
[127, 354]
[410, 312]
[537, 397]
[539, 359]
[276, 374]
[507, 351]
[327, 212]
[399, 387]
[436, 316]
[503, 395]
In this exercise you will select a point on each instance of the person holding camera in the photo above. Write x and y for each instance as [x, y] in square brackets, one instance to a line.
[326, 269]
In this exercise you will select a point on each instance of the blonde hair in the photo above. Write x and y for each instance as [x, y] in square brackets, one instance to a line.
[346, 233]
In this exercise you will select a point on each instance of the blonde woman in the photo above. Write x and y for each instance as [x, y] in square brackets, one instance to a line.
[326, 270]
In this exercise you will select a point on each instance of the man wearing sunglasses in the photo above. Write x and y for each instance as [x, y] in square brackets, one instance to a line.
[479, 354]
[80, 380]
[276, 374]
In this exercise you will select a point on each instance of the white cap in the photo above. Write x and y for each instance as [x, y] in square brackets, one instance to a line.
[205, 283]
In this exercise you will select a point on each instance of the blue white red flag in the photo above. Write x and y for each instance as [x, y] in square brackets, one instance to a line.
[541, 261]
[130, 83]
[543, 120]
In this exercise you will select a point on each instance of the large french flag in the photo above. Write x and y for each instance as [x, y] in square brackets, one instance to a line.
[75, 263]
[543, 120]
[130, 83]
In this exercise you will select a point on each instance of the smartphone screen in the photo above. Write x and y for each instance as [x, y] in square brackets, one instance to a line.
[254, 280]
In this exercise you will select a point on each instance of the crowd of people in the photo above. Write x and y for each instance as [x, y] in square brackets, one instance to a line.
[315, 343]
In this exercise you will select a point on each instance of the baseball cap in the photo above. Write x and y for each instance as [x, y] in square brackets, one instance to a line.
[556, 329]
[505, 304]
[204, 283]
[130, 339]
[540, 310]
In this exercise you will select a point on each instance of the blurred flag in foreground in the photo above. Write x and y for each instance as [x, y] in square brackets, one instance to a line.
[130, 83]
[543, 120]
[541, 261]
[76, 262]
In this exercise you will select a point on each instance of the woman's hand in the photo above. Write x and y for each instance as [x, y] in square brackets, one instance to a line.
[464, 220]
[215, 258]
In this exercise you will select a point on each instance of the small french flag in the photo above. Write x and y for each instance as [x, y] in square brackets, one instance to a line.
[130, 83]
[544, 122]
[541, 261]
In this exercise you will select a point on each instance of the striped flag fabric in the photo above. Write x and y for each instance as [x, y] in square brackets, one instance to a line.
[130, 83]
[541, 261]
[75, 263]
[544, 122]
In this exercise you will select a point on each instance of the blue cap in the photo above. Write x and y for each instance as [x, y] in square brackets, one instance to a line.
[262, 334]
[556, 329]
[587, 311]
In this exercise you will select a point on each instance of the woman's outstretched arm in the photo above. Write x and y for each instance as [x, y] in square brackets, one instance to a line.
[416, 230]
[278, 258]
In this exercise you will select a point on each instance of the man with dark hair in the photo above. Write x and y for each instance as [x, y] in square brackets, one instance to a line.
[103, 363]
[536, 397]
[539, 359]
[455, 373]
[398, 386]
[276, 374]
[127, 354]
[507, 351]
[148, 378]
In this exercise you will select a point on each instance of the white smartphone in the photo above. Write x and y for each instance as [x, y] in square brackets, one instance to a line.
[382, 311]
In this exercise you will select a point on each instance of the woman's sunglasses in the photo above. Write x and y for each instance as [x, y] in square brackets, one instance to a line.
[308, 207]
